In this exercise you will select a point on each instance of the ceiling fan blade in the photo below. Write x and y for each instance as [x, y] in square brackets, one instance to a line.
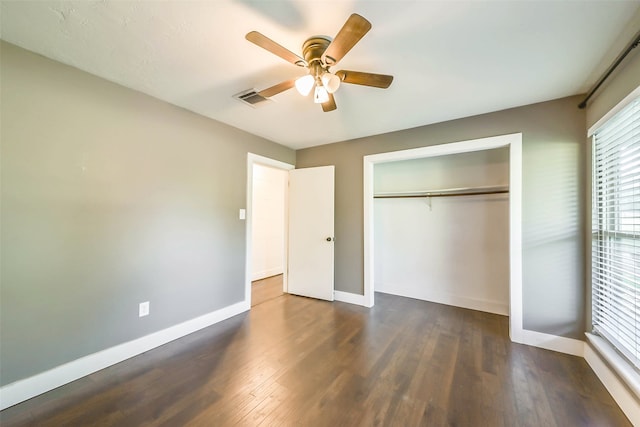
[330, 105]
[273, 47]
[382, 81]
[276, 89]
[351, 32]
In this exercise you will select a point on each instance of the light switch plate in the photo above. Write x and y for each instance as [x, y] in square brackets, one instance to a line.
[243, 214]
[143, 309]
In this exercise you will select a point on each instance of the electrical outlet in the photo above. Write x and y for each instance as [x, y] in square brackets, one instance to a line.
[143, 310]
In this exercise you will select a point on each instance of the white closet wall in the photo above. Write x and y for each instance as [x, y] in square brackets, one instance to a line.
[450, 250]
[268, 221]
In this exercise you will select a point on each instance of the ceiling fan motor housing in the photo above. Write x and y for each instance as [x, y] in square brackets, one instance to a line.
[314, 47]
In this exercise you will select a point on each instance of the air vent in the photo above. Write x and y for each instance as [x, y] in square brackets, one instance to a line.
[251, 98]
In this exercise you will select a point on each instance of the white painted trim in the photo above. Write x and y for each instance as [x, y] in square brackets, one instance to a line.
[480, 144]
[621, 392]
[515, 240]
[619, 106]
[459, 301]
[619, 364]
[552, 342]
[27, 388]
[265, 161]
[367, 190]
[350, 298]
[514, 142]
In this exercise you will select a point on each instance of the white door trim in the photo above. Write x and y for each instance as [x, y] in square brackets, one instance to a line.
[264, 161]
[514, 142]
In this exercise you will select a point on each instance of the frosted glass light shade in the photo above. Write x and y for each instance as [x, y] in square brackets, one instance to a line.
[321, 95]
[304, 84]
[331, 82]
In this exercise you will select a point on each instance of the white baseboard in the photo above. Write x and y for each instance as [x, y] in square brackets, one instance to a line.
[617, 374]
[620, 390]
[263, 274]
[624, 397]
[551, 342]
[350, 298]
[456, 301]
[27, 388]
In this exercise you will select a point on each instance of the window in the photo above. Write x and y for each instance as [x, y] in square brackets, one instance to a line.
[616, 231]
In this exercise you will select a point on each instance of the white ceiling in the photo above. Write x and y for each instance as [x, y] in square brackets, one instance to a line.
[450, 59]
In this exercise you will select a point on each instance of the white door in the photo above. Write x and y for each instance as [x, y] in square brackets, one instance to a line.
[311, 205]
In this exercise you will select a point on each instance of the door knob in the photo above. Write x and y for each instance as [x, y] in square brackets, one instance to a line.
[329, 239]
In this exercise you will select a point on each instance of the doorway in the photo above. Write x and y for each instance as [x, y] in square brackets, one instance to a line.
[441, 227]
[267, 235]
[514, 144]
[266, 229]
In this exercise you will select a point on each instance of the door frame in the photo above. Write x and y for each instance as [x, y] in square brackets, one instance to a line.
[514, 143]
[255, 159]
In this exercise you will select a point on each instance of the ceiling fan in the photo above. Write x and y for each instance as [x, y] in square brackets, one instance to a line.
[319, 53]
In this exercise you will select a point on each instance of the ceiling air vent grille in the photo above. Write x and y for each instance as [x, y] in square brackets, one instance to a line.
[251, 98]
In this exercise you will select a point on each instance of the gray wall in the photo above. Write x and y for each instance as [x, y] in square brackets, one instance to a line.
[553, 202]
[110, 198]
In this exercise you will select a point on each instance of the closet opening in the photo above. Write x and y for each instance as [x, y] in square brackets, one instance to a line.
[444, 221]
[441, 227]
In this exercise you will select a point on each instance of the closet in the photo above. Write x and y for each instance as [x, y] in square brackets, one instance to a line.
[441, 227]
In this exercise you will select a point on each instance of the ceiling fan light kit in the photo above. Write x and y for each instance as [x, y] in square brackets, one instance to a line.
[323, 81]
[318, 54]
[320, 95]
[331, 82]
[304, 84]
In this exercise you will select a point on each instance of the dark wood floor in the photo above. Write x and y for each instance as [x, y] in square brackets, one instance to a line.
[303, 362]
[266, 289]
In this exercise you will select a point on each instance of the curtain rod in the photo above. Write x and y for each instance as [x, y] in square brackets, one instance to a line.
[633, 44]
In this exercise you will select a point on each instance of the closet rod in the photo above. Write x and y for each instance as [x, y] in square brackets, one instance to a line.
[449, 192]
[445, 192]
[403, 196]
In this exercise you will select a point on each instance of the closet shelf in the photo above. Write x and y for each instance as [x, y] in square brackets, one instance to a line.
[445, 192]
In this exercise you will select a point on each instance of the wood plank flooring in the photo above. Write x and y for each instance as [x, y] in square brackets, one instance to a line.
[296, 361]
[266, 289]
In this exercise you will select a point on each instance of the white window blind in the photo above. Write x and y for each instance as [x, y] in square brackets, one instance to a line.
[616, 231]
